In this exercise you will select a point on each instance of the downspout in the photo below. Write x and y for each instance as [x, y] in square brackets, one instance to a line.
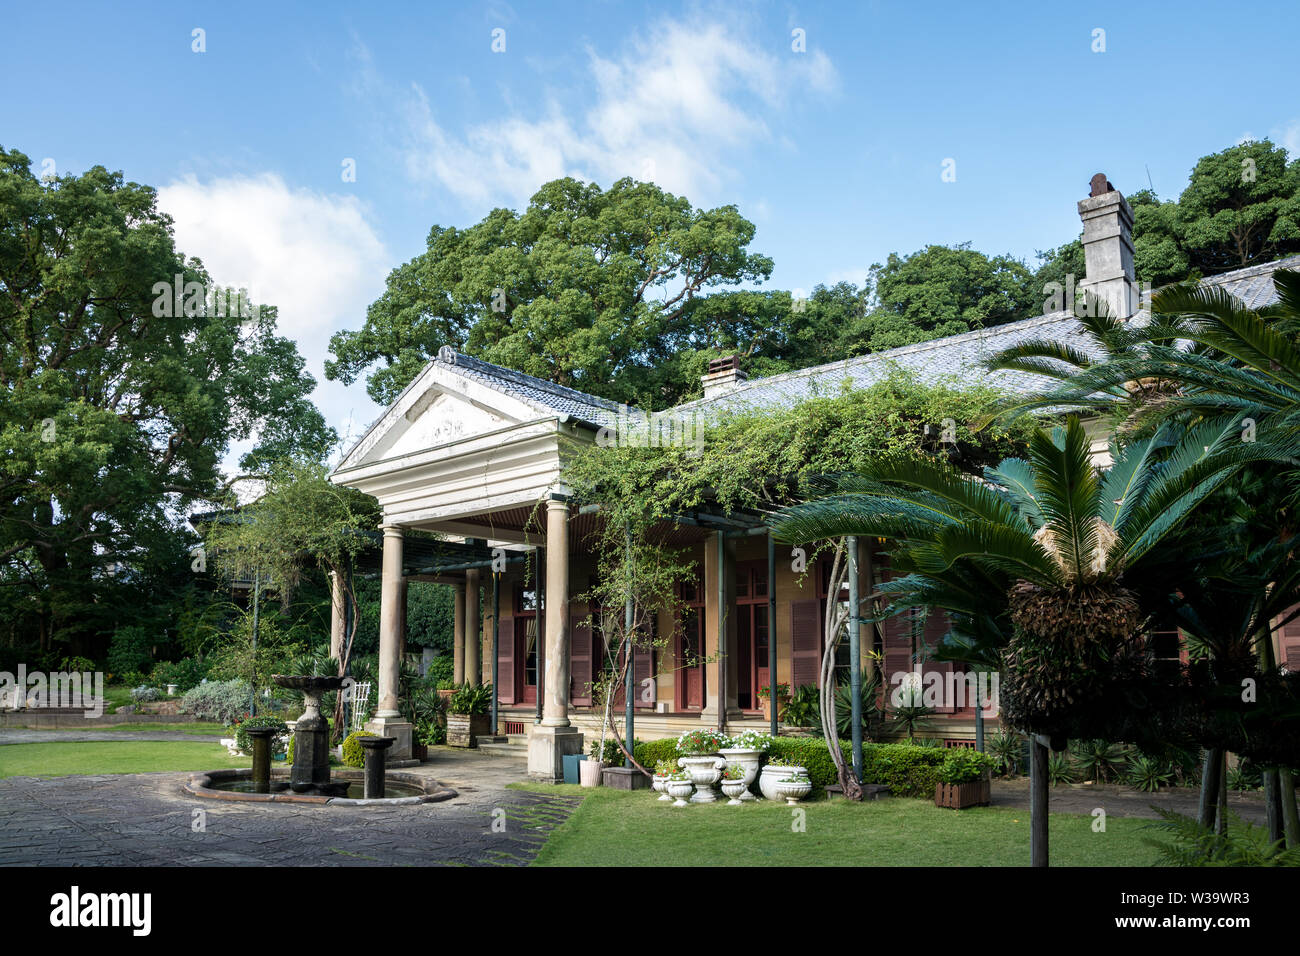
[630, 678]
[496, 641]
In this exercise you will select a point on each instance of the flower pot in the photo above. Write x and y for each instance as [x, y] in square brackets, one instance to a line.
[419, 751]
[768, 777]
[705, 773]
[463, 730]
[959, 796]
[660, 786]
[735, 790]
[589, 773]
[792, 791]
[749, 760]
[679, 790]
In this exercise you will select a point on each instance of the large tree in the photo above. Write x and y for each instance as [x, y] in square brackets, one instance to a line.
[588, 288]
[126, 376]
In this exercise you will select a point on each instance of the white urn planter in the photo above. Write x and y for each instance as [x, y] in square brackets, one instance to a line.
[792, 791]
[678, 791]
[770, 775]
[749, 759]
[705, 773]
[735, 791]
[589, 772]
[659, 784]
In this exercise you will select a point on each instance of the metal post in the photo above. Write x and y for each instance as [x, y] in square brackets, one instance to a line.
[772, 698]
[1038, 800]
[496, 640]
[855, 658]
[630, 680]
[252, 693]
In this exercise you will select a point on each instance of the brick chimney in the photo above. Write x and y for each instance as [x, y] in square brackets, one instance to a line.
[724, 375]
[1108, 248]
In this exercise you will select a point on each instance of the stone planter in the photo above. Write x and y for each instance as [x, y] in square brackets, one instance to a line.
[766, 704]
[792, 792]
[959, 796]
[463, 730]
[679, 790]
[660, 786]
[419, 751]
[749, 760]
[705, 773]
[768, 777]
[589, 773]
[735, 791]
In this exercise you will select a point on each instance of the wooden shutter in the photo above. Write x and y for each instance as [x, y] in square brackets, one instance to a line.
[1288, 644]
[506, 661]
[936, 626]
[896, 638]
[579, 653]
[806, 644]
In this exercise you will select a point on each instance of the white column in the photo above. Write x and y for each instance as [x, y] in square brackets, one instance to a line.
[390, 622]
[555, 709]
[458, 634]
[473, 630]
[337, 616]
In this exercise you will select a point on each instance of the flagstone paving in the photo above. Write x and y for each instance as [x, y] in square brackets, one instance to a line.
[148, 820]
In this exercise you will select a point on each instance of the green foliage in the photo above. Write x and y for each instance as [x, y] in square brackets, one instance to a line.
[1099, 760]
[441, 669]
[1007, 750]
[129, 650]
[185, 673]
[803, 709]
[1241, 844]
[1244, 776]
[353, 753]
[653, 752]
[222, 701]
[908, 770]
[963, 765]
[869, 701]
[470, 699]
[1147, 774]
[612, 755]
[1060, 768]
[701, 742]
[244, 743]
[241, 654]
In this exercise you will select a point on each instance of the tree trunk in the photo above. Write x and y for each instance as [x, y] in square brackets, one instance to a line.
[1290, 816]
[1221, 821]
[1273, 805]
[1037, 801]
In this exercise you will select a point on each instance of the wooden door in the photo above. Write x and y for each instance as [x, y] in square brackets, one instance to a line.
[690, 679]
[529, 657]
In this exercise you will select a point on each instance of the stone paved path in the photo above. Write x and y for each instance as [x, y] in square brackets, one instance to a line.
[147, 820]
[1122, 801]
[11, 736]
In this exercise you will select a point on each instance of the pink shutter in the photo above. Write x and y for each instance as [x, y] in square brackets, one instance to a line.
[806, 644]
[506, 661]
[579, 653]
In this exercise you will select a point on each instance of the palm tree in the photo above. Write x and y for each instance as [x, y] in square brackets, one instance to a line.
[1033, 556]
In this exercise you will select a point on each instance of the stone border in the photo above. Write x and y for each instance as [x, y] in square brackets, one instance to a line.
[198, 786]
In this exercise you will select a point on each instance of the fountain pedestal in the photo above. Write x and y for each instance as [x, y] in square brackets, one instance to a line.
[311, 735]
[261, 757]
[402, 732]
[374, 779]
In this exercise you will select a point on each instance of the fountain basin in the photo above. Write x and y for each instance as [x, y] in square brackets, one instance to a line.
[238, 785]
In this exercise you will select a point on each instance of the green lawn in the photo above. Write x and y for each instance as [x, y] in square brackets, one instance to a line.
[114, 756]
[204, 729]
[617, 828]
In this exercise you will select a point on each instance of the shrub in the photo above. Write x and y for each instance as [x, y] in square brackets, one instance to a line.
[442, 669]
[184, 674]
[353, 754]
[245, 743]
[908, 770]
[613, 755]
[144, 694]
[1147, 774]
[1099, 760]
[223, 701]
[129, 649]
[1242, 843]
[652, 752]
[75, 663]
[1060, 769]
[470, 699]
[803, 709]
[431, 733]
[1006, 749]
[963, 765]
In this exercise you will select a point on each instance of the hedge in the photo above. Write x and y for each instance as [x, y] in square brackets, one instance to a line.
[907, 769]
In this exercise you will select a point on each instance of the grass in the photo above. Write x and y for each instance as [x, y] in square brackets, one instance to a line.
[113, 756]
[618, 828]
[204, 729]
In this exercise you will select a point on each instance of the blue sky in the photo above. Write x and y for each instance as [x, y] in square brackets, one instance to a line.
[835, 152]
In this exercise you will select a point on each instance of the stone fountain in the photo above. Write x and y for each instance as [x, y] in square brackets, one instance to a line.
[311, 736]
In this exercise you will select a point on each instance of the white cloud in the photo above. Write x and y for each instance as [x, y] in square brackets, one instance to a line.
[1288, 136]
[672, 107]
[314, 256]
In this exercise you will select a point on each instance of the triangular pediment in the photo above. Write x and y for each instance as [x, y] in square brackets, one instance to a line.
[438, 408]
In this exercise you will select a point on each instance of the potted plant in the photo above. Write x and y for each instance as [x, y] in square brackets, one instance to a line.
[964, 779]
[746, 750]
[468, 716]
[794, 787]
[734, 784]
[679, 787]
[664, 770]
[765, 695]
[700, 756]
[777, 769]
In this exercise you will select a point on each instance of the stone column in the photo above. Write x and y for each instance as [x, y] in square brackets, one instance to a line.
[473, 629]
[720, 632]
[388, 719]
[458, 634]
[555, 737]
[337, 616]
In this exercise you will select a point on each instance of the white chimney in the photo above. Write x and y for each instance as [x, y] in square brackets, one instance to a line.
[1108, 248]
[724, 375]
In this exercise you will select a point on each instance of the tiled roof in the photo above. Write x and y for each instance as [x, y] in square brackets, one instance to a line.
[958, 358]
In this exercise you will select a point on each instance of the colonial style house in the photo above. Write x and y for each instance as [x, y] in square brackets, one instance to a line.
[475, 453]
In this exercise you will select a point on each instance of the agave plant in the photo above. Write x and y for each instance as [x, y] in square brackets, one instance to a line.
[1147, 774]
[1007, 750]
[1099, 760]
[1061, 769]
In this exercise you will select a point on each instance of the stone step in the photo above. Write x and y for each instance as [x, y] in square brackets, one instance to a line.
[512, 749]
